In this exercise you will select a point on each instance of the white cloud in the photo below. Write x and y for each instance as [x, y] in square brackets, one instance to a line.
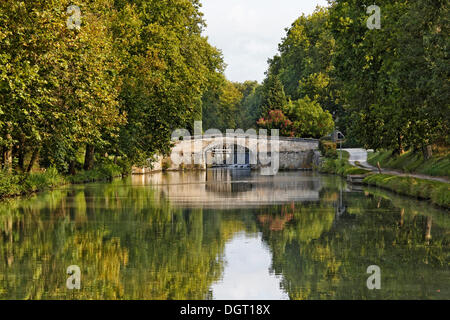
[248, 31]
[246, 275]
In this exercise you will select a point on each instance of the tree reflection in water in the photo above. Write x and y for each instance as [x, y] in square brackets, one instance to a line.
[136, 239]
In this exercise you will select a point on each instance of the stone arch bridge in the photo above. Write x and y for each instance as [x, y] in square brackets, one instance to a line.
[238, 151]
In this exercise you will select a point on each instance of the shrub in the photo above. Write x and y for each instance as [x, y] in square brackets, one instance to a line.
[328, 149]
[9, 184]
[276, 119]
[13, 184]
[40, 181]
[125, 166]
[341, 167]
[308, 118]
[105, 171]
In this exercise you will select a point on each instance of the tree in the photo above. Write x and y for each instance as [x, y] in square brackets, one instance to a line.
[302, 118]
[273, 96]
[251, 105]
[59, 86]
[387, 78]
[119, 85]
[277, 120]
[308, 118]
[168, 65]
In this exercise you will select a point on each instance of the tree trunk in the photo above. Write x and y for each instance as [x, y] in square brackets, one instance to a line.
[379, 167]
[89, 157]
[21, 152]
[427, 152]
[7, 155]
[21, 156]
[72, 170]
[7, 159]
[33, 159]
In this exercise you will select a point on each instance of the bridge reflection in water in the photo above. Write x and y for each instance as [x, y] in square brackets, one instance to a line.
[231, 188]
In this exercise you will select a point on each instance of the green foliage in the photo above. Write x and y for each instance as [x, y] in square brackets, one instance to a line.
[328, 149]
[250, 108]
[14, 184]
[41, 181]
[412, 162]
[231, 105]
[386, 88]
[302, 118]
[308, 118]
[9, 184]
[437, 192]
[441, 196]
[168, 67]
[341, 167]
[305, 62]
[104, 172]
[383, 76]
[273, 96]
[166, 164]
[59, 87]
[131, 74]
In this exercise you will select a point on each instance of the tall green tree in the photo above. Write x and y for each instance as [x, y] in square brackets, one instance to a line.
[273, 95]
[59, 86]
[168, 65]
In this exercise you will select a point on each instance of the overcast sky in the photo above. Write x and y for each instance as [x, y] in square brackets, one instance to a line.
[248, 31]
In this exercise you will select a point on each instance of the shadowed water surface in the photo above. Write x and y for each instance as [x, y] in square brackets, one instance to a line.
[223, 234]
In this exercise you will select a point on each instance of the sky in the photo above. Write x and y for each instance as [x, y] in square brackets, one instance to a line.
[247, 273]
[248, 31]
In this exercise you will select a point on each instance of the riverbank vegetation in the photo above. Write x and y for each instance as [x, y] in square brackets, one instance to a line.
[437, 192]
[413, 162]
[17, 184]
[341, 167]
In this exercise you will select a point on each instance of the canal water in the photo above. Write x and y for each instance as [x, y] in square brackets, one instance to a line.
[223, 234]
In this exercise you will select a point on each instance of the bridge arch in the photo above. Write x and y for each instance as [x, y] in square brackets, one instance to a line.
[229, 154]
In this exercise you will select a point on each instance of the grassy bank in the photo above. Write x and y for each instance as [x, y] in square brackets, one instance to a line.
[17, 184]
[341, 167]
[411, 162]
[437, 192]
